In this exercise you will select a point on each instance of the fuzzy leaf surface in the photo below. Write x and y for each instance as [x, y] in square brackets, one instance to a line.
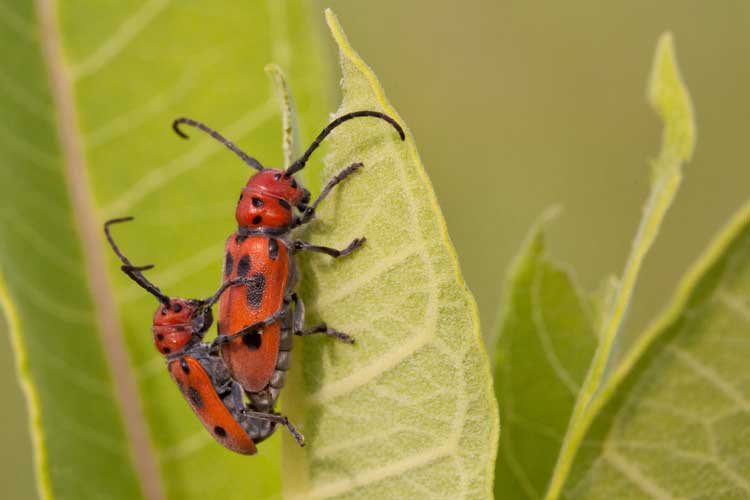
[408, 411]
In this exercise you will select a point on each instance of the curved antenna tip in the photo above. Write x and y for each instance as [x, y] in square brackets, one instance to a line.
[117, 220]
[176, 128]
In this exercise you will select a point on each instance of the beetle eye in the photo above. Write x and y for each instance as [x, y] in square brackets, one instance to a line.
[176, 308]
[276, 177]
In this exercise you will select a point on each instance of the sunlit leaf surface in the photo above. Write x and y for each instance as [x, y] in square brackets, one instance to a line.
[408, 411]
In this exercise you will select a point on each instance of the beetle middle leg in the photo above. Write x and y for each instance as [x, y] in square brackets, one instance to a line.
[299, 245]
[299, 324]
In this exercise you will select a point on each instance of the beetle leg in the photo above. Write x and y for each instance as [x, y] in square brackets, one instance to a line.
[299, 245]
[209, 302]
[308, 212]
[237, 397]
[280, 419]
[223, 339]
[299, 324]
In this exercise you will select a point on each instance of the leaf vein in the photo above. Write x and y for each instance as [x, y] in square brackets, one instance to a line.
[123, 35]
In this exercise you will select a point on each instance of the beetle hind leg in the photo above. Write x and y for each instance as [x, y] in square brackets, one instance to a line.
[299, 324]
[268, 423]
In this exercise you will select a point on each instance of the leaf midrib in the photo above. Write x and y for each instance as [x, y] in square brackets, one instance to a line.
[84, 211]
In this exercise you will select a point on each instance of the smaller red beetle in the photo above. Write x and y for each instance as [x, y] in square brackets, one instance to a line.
[203, 377]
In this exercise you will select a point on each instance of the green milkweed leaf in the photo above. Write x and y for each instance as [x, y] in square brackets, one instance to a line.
[669, 97]
[546, 341]
[88, 91]
[673, 420]
[408, 411]
[670, 419]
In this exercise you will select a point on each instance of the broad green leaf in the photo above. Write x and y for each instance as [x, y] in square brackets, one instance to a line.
[91, 89]
[669, 97]
[546, 342]
[80, 444]
[675, 421]
[408, 411]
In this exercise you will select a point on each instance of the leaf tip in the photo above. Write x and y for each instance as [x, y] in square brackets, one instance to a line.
[336, 30]
[272, 69]
[534, 244]
[668, 95]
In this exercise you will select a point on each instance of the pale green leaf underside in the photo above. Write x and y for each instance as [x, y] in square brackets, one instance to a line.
[669, 97]
[407, 412]
[546, 341]
[134, 66]
[677, 424]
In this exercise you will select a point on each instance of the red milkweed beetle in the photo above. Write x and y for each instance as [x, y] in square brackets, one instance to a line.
[262, 250]
[203, 377]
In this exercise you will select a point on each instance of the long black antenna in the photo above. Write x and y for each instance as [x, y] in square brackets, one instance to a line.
[299, 164]
[131, 270]
[249, 160]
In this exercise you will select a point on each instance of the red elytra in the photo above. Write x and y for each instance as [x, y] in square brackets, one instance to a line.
[203, 377]
[262, 250]
[265, 262]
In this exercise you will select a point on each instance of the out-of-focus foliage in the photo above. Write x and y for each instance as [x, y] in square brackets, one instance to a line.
[132, 67]
[668, 421]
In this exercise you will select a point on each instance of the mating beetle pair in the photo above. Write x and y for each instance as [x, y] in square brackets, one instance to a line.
[258, 308]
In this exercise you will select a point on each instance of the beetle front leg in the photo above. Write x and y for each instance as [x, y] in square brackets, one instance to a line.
[300, 245]
[210, 301]
[299, 324]
[308, 212]
[223, 339]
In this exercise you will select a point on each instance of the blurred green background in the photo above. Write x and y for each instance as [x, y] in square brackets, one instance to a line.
[517, 106]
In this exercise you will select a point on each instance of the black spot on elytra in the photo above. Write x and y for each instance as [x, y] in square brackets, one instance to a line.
[159, 336]
[195, 397]
[273, 248]
[184, 366]
[220, 431]
[255, 290]
[252, 340]
[243, 266]
[228, 264]
[285, 204]
[257, 219]
[179, 328]
[166, 350]
[240, 238]
[294, 184]
[257, 202]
